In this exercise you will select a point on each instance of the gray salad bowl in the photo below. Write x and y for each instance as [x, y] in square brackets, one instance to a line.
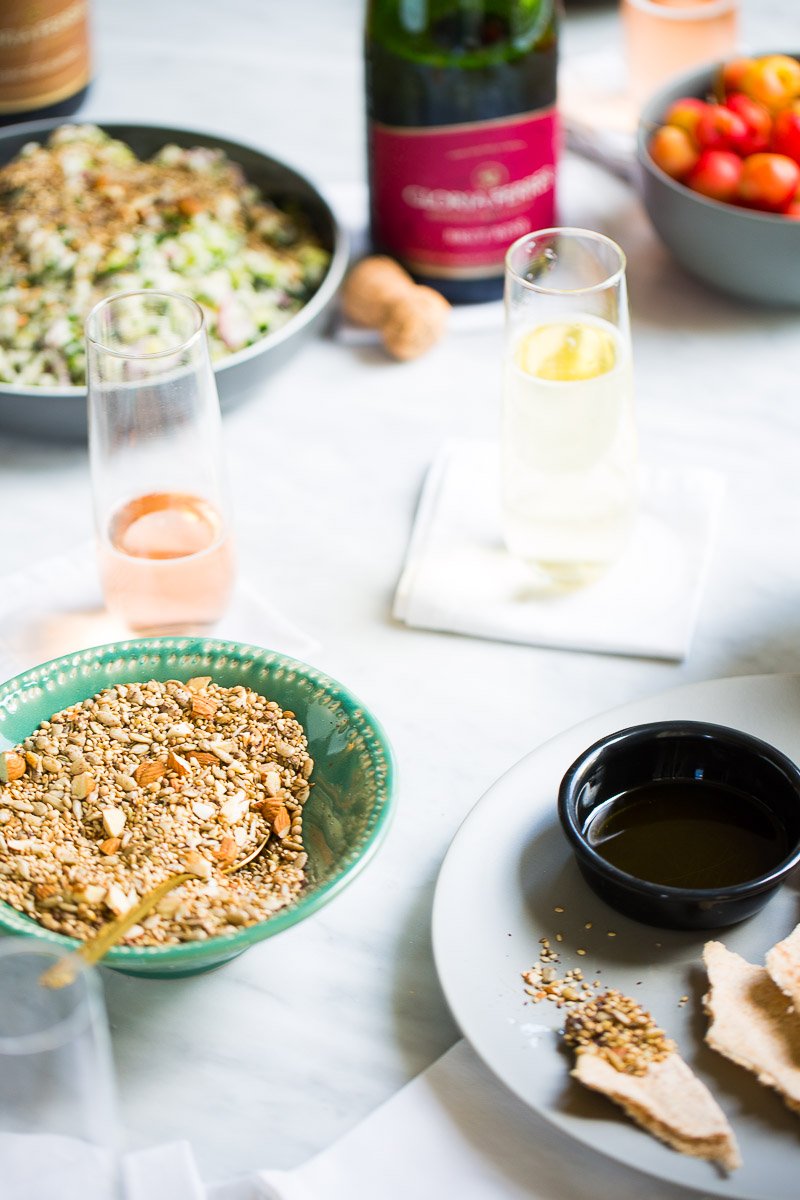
[753, 256]
[60, 413]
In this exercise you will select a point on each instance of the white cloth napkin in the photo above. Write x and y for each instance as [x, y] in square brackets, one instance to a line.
[454, 1131]
[458, 577]
[55, 607]
[46, 1167]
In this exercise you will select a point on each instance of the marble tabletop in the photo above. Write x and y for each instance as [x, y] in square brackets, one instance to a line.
[276, 1055]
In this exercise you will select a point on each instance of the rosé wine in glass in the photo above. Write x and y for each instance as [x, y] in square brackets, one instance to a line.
[166, 561]
[665, 37]
[164, 536]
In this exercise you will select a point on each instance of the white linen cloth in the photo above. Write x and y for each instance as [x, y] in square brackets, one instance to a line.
[55, 607]
[459, 578]
[46, 1167]
[454, 1130]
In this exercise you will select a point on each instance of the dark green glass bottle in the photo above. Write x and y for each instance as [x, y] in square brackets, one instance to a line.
[462, 134]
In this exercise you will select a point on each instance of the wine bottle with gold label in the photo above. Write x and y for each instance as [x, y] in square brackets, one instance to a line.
[44, 58]
[462, 134]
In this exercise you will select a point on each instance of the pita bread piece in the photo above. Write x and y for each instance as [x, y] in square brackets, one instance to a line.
[783, 965]
[623, 1054]
[752, 1022]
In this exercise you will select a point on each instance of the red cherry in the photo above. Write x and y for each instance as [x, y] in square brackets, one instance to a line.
[769, 181]
[716, 174]
[757, 120]
[720, 128]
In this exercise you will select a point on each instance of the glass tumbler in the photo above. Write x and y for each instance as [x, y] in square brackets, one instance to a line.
[568, 438]
[57, 1101]
[160, 497]
[665, 37]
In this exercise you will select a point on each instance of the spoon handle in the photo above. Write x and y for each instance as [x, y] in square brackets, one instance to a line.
[65, 971]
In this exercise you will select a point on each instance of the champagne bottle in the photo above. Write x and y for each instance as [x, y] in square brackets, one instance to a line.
[462, 134]
[44, 58]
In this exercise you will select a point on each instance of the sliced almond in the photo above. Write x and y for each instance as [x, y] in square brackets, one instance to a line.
[118, 900]
[199, 683]
[196, 864]
[227, 852]
[270, 808]
[178, 764]
[234, 808]
[169, 905]
[110, 845]
[51, 764]
[282, 823]
[24, 844]
[34, 761]
[90, 893]
[204, 706]
[203, 758]
[149, 771]
[203, 811]
[83, 785]
[113, 821]
[272, 782]
[12, 766]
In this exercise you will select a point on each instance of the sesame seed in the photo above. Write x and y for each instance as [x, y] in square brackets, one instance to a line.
[617, 1028]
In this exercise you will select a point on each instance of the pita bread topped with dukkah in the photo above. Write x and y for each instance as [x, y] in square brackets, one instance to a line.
[621, 1052]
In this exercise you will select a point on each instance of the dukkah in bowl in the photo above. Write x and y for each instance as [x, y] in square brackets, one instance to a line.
[171, 754]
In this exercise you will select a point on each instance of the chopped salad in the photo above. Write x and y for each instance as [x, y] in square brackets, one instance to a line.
[81, 217]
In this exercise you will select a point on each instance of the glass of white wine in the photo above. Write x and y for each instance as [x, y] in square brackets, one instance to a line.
[160, 497]
[569, 447]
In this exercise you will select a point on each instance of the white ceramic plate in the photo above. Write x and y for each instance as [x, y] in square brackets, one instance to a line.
[509, 867]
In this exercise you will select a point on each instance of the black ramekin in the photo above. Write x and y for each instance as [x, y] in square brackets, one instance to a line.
[691, 750]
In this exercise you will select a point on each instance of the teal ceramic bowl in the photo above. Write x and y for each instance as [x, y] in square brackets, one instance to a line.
[345, 816]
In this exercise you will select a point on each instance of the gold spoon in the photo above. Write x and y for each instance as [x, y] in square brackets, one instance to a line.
[66, 970]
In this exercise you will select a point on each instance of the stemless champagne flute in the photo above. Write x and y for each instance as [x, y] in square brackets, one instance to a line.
[57, 1103]
[665, 37]
[569, 454]
[160, 500]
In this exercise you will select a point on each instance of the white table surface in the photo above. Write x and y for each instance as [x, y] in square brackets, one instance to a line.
[276, 1055]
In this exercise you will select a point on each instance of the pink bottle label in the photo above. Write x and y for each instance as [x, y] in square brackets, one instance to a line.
[449, 200]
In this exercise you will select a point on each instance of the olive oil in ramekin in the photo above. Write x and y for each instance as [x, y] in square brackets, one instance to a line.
[687, 833]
